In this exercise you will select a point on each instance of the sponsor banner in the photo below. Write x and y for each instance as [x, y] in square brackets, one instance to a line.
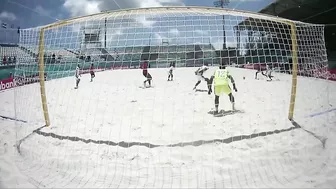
[85, 71]
[19, 81]
[255, 66]
[7, 84]
[119, 67]
[249, 66]
[325, 74]
[24, 80]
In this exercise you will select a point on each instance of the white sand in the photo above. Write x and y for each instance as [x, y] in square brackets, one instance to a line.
[114, 108]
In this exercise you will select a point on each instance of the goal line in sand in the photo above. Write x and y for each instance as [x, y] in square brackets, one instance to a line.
[124, 144]
[12, 119]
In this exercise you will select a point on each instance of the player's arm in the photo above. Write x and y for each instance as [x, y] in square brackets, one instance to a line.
[197, 71]
[233, 82]
[231, 79]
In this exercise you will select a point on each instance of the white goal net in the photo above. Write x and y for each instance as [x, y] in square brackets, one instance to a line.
[111, 131]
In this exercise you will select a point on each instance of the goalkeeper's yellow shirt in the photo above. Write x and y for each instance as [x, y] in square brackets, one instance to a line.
[221, 77]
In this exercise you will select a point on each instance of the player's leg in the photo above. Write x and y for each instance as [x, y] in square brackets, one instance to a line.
[218, 90]
[198, 82]
[227, 90]
[77, 82]
[149, 79]
[209, 89]
[209, 83]
[216, 104]
[170, 76]
[199, 77]
[145, 73]
[92, 76]
[232, 100]
[270, 75]
[256, 74]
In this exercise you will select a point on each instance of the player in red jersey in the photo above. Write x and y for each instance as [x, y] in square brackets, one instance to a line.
[92, 72]
[144, 66]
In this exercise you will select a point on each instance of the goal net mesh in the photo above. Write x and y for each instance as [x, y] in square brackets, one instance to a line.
[112, 132]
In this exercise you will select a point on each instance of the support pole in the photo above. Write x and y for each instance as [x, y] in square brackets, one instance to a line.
[105, 32]
[224, 34]
[238, 41]
[222, 4]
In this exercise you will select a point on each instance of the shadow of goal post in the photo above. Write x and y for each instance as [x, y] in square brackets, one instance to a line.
[72, 20]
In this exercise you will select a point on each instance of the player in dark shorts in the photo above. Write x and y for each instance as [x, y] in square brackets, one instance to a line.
[170, 72]
[259, 70]
[92, 72]
[77, 76]
[144, 66]
[199, 73]
[209, 83]
[267, 72]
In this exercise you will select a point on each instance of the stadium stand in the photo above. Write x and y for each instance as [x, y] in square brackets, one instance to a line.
[312, 11]
[11, 53]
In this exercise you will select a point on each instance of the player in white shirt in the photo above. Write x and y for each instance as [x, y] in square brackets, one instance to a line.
[170, 71]
[199, 73]
[77, 76]
[266, 72]
[259, 70]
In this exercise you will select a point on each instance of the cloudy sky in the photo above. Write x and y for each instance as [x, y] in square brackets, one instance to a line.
[31, 13]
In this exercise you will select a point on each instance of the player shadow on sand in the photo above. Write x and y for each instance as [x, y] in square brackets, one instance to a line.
[222, 113]
[201, 90]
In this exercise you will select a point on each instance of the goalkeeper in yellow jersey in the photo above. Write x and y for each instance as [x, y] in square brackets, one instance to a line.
[221, 86]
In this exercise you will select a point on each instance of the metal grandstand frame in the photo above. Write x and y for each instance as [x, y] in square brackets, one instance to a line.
[165, 42]
[94, 38]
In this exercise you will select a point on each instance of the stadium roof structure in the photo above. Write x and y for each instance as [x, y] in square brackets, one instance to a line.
[311, 11]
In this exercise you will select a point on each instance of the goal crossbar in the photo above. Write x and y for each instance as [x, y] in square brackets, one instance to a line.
[172, 9]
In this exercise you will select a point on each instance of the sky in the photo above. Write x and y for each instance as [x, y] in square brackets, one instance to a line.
[32, 13]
